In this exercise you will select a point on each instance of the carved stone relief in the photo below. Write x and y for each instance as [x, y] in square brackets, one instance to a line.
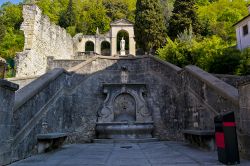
[124, 102]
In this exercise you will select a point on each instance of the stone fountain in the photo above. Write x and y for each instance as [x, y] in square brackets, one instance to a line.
[124, 114]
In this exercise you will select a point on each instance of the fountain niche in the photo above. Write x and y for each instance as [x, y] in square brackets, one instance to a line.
[124, 114]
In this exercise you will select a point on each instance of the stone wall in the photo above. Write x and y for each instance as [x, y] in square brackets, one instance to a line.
[42, 39]
[69, 102]
[233, 80]
[62, 63]
[206, 96]
[244, 125]
[7, 96]
[40, 101]
[22, 81]
[162, 97]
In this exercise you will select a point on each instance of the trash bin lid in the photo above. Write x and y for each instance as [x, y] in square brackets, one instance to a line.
[228, 117]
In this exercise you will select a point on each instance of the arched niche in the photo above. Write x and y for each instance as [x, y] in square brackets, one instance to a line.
[89, 47]
[125, 35]
[105, 48]
[122, 25]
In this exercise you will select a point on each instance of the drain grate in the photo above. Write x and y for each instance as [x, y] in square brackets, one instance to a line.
[126, 147]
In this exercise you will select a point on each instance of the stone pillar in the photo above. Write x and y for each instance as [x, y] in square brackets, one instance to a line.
[97, 46]
[7, 98]
[83, 45]
[244, 125]
[132, 46]
[113, 46]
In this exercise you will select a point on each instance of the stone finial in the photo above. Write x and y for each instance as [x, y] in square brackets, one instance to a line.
[44, 127]
[97, 31]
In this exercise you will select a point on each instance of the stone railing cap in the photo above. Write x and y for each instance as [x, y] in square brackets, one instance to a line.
[8, 85]
[27, 92]
[220, 86]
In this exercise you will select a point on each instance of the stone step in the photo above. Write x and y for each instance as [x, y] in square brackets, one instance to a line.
[110, 141]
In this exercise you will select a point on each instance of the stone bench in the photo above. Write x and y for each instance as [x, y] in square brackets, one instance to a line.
[50, 141]
[202, 138]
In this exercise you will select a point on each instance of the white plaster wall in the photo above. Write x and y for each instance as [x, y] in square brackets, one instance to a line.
[243, 41]
[42, 39]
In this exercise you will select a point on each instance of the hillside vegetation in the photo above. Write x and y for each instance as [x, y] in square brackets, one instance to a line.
[183, 32]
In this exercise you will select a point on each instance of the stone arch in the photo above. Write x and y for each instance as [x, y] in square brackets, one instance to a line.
[89, 46]
[111, 36]
[122, 25]
[120, 34]
[105, 48]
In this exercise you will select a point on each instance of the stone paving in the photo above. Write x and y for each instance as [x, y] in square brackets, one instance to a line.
[128, 154]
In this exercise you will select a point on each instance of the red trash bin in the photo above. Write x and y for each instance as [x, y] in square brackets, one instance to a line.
[226, 139]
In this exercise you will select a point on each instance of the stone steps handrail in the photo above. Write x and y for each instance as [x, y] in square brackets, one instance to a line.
[28, 127]
[218, 85]
[203, 103]
[77, 67]
[27, 92]
[176, 68]
[22, 78]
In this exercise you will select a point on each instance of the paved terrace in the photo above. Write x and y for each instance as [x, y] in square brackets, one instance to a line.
[129, 154]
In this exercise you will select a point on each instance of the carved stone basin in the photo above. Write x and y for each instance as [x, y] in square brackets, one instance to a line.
[125, 114]
[124, 130]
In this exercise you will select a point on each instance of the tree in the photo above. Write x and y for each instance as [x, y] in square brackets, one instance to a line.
[116, 9]
[53, 9]
[149, 25]
[2, 29]
[218, 17]
[184, 15]
[68, 18]
[244, 67]
[95, 17]
[11, 38]
[168, 6]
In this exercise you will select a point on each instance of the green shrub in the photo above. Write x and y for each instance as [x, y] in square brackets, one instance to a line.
[211, 54]
[244, 67]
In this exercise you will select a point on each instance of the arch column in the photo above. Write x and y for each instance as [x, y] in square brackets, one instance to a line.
[83, 45]
[113, 46]
[97, 46]
[132, 46]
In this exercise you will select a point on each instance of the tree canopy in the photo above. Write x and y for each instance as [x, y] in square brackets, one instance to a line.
[184, 15]
[200, 31]
[150, 30]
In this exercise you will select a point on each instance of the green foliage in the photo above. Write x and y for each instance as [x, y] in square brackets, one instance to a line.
[211, 54]
[12, 42]
[218, 17]
[149, 25]
[244, 67]
[95, 17]
[227, 63]
[120, 9]
[84, 16]
[53, 9]
[184, 15]
[68, 17]
[168, 6]
[11, 38]
[201, 30]
[2, 29]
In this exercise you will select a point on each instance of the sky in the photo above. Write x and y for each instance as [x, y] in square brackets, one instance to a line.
[13, 1]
